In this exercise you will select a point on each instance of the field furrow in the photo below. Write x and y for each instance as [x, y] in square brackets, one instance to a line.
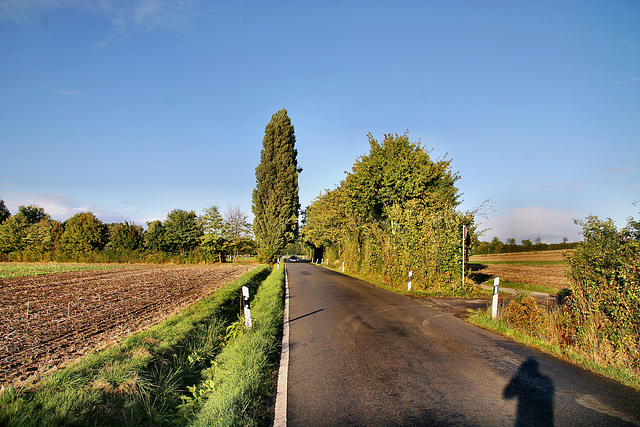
[50, 319]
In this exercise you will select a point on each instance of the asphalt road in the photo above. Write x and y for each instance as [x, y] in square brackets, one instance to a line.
[360, 355]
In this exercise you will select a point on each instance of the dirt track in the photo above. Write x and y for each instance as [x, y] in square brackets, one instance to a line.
[48, 320]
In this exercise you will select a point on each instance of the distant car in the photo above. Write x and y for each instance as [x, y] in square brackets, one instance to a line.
[293, 258]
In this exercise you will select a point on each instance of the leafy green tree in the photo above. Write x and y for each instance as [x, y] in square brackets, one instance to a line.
[181, 231]
[125, 237]
[4, 212]
[496, 246]
[154, 236]
[84, 234]
[213, 240]
[275, 199]
[237, 230]
[13, 233]
[395, 172]
[33, 213]
[14, 230]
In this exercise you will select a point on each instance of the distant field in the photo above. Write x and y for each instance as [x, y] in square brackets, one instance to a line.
[543, 269]
[542, 257]
[12, 269]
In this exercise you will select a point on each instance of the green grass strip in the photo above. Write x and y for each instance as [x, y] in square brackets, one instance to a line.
[236, 387]
[8, 270]
[140, 381]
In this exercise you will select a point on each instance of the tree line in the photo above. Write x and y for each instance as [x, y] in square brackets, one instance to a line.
[498, 247]
[395, 212]
[32, 235]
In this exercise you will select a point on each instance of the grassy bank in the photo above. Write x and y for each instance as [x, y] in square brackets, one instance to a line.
[151, 377]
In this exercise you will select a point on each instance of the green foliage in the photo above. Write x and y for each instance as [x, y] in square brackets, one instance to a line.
[275, 199]
[13, 234]
[125, 237]
[182, 232]
[393, 214]
[83, 235]
[606, 286]
[154, 236]
[4, 212]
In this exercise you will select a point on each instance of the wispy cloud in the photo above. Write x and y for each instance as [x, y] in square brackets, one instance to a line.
[633, 80]
[127, 17]
[69, 92]
[532, 222]
[569, 185]
[62, 207]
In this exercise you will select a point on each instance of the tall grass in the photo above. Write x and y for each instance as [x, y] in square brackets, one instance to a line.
[235, 388]
[141, 381]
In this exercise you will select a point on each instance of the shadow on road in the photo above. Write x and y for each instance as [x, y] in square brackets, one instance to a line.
[535, 394]
[305, 315]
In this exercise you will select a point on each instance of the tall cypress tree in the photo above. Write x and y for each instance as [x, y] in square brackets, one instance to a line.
[275, 198]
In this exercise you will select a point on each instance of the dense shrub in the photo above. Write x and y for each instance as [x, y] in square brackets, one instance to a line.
[395, 213]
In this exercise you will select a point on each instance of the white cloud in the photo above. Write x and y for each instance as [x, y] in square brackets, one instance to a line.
[633, 80]
[69, 92]
[532, 222]
[59, 207]
[62, 208]
[127, 17]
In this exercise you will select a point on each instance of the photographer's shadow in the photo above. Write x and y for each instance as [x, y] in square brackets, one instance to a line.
[535, 394]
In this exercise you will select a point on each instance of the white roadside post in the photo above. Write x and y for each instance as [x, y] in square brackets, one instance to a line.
[494, 303]
[343, 266]
[410, 277]
[278, 263]
[464, 239]
[245, 305]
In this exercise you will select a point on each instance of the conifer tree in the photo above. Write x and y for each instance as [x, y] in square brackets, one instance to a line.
[275, 198]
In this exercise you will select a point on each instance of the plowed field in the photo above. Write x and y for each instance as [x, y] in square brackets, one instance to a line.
[551, 270]
[48, 320]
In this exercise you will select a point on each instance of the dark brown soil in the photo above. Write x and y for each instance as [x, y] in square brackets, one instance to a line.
[51, 319]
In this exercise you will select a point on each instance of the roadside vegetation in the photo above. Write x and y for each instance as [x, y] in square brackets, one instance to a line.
[597, 320]
[179, 372]
[394, 213]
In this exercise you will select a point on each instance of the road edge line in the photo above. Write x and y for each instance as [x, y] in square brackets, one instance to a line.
[283, 372]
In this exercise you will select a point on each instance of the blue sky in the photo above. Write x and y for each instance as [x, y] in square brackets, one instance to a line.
[130, 109]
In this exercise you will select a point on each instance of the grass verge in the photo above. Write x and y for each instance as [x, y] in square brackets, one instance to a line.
[142, 381]
[483, 319]
[235, 388]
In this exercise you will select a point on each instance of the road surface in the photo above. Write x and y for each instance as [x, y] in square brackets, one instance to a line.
[360, 355]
